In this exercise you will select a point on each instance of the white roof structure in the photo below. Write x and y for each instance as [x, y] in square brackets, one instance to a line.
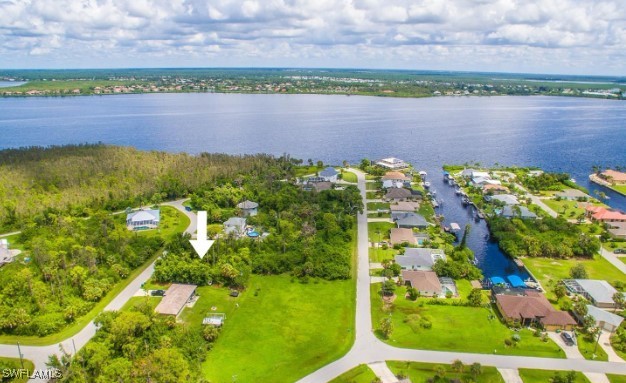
[600, 291]
[604, 316]
[419, 258]
[175, 299]
[507, 199]
[143, 215]
[247, 205]
[392, 163]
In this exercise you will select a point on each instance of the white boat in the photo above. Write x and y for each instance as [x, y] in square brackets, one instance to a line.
[457, 191]
[427, 184]
[423, 174]
[451, 182]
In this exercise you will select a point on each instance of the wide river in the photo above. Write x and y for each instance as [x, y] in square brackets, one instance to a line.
[555, 133]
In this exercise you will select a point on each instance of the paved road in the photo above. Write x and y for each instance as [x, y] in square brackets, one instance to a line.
[39, 354]
[613, 259]
[368, 349]
[538, 202]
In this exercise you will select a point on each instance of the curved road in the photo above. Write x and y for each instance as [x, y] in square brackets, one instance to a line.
[369, 349]
[39, 354]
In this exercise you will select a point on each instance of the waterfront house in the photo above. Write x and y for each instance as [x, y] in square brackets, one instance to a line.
[506, 199]
[392, 163]
[248, 208]
[143, 219]
[602, 214]
[398, 194]
[517, 211]
[571, 195]
[329, 174]
[425, 282]
[530, 307]
[235, 226]
[409, 220]
[404, 206]
[598, 292]
[401, 236]
[395, 176]
[419, 258]
[613, 177]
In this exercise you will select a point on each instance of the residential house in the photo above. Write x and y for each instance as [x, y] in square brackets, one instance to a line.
[143, 219]
[321, 186]
[409, 220]
[329, 174]
[235, 226]
[397, 194]
[392, 163]
[512, 211]
[506, 199]
[605, 320]
[614, 177]
[419, 258]
[400, 236]
[530, 307]
[617, 229]
[248, 208]
[404, 206]
[395, 176]
[492, 189]
[175, 299]
[426, 282]
[387, 184]
[571, 195]
[602, 214]
[598, 292]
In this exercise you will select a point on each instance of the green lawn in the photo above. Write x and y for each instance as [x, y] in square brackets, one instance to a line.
[619, 188]
[549, 271]
[372, 195]
[454, 328]
[137, 301]
[421, 372]
[542, 376]
[285, 332]
[372, 186]
[378, 255]
[616, 378]
[349, 177]
[566, 209]
[359, 374]
[426, 210]
[14, 364]
[373, 206]
[587, 348]
[383, 227]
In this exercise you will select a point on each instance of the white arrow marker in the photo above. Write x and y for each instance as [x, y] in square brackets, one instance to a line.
[202, 244]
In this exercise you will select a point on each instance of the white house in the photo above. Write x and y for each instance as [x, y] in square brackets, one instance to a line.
[143, 219]
[235, 225]
[329, 174]
[392, 163]
[248, 208]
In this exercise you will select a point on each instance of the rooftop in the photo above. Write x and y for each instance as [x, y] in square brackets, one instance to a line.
[599, 290]
[604, 316]
[175, 299]
[419, 257]
[329, 172]
[143, 215]
[247, 205]
[422, 280]
[400, 235]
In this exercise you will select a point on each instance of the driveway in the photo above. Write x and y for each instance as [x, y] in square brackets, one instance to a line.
[571, 352]
[605, 343]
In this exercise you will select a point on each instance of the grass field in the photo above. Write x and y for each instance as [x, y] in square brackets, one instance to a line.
[616, 378]
[549, 271]
[619, 188]
[373, 206]
[84, 86]
[587, 348]
[544, 376]
[285, 332]
[421, 372]
[359, 374]
[372, 186]
[383, 227]
[349, 177]
[454, 328]
[14, 363]
[566, 209]
[136, 301]
[378, 255]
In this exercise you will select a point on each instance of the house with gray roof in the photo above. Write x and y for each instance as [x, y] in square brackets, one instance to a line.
[506, 199]
[419, 258]
[235, 226]
[248, 208]
[617, 229]
[511, 212]
[398, 194]
[409, 220]
[571, 194]
[605, 320]
[598, 292]
[329, 174]
[143, 219]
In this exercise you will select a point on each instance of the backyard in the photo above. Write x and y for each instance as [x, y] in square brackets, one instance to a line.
[275, 326]
[454, 328]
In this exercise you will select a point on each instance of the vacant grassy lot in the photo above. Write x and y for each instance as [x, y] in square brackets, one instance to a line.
[544, 376]
[616, 378]
[359, 374]
[421, 372]
[549, 271]
[566, 209]
[373, 206]
[378, 255]
[587, 348]
[379, 231]
[280, 331]
[14, 363]
[454, 328]
[349, 177]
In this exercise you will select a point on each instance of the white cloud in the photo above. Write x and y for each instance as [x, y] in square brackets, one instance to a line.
[510, 35]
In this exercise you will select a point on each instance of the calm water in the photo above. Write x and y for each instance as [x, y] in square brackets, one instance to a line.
[6, 84]
[557, 134]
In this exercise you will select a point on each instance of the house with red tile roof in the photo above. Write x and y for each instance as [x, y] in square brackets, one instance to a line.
[602, 214]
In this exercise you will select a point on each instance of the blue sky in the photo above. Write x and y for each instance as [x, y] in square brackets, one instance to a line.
[547, 36]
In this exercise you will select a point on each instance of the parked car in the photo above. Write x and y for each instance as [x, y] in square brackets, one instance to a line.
[567, 338]
[188, 208]
[619, 251]
[157, 293]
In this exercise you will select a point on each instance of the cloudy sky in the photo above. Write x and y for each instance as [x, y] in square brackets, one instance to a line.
[541, 36]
